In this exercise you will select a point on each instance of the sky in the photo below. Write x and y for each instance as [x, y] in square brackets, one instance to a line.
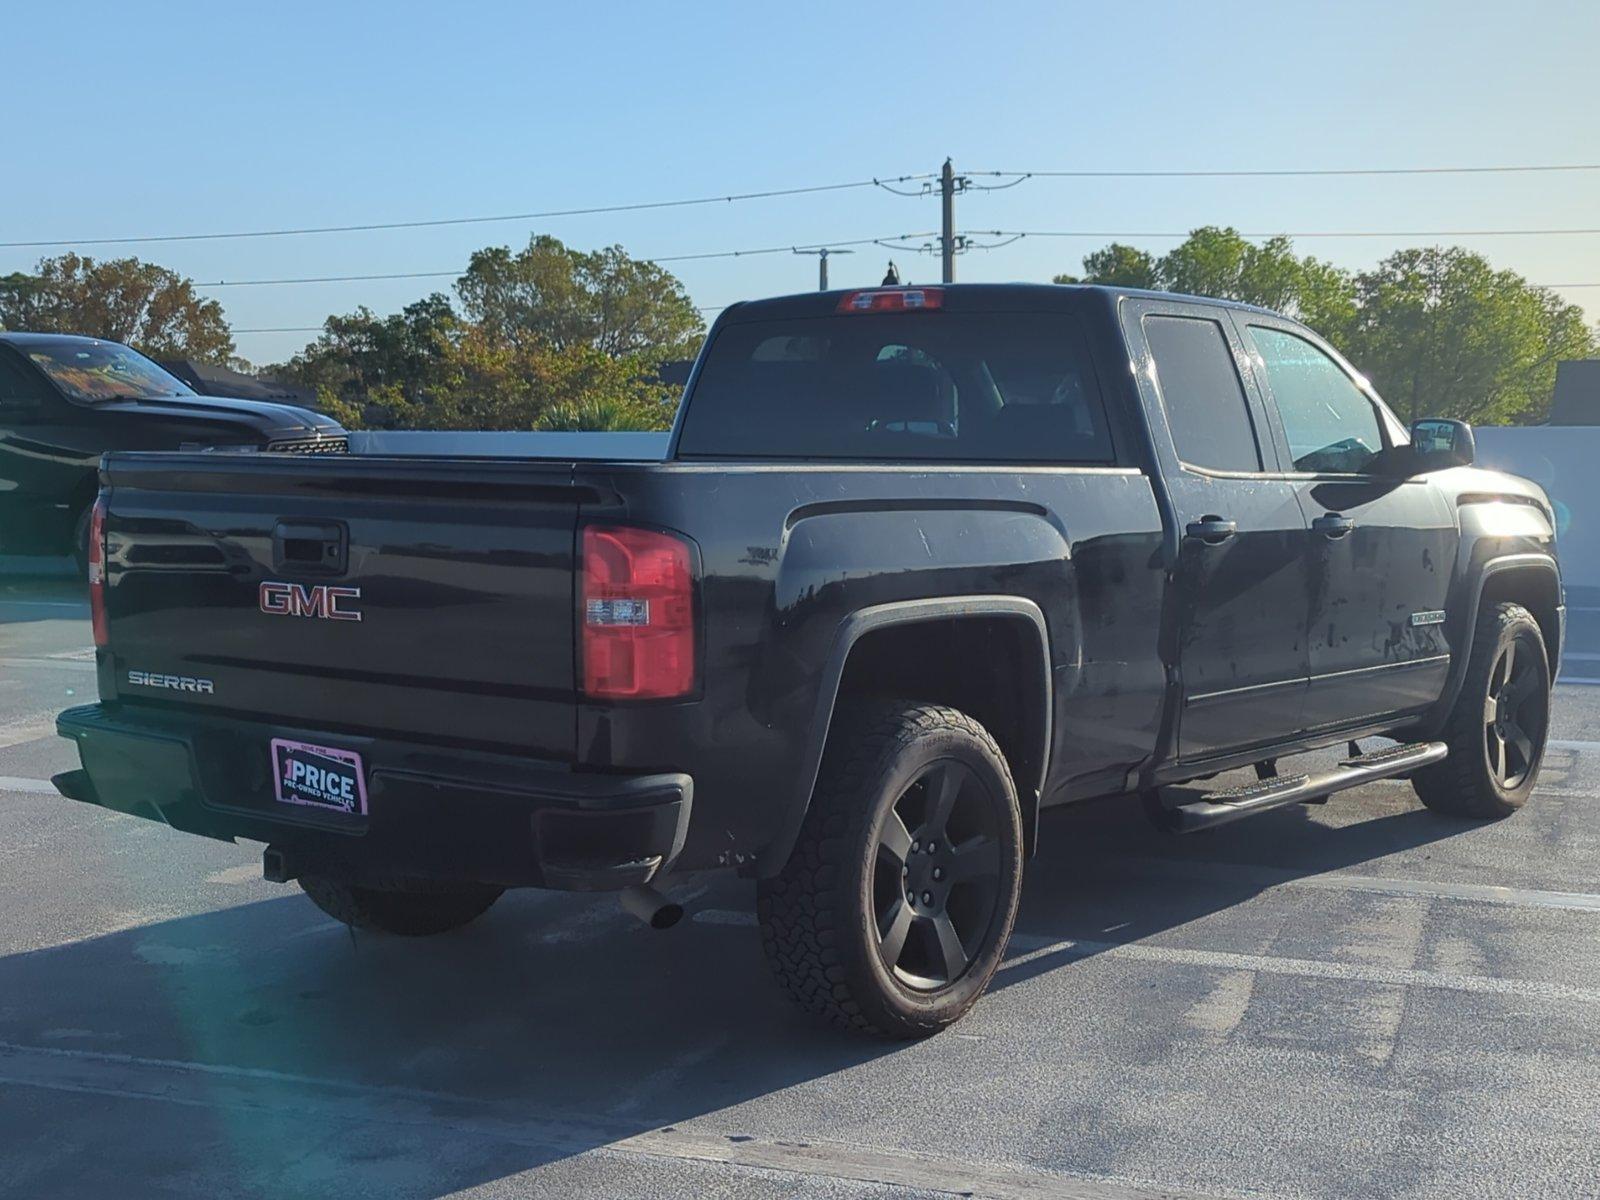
[129, 120]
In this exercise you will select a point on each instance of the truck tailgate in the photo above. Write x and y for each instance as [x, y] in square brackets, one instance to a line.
[425, 598]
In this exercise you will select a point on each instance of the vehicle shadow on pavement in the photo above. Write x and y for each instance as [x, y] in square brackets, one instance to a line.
[556, 1017]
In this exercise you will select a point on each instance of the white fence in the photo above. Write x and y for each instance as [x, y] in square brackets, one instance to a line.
[1565, 461]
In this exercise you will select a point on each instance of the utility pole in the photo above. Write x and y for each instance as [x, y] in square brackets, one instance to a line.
[822, 253]
[947, 237]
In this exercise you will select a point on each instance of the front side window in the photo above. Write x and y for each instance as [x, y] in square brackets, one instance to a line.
[1331, 423]
[928, 386]
[91, 371]
[1200, 389]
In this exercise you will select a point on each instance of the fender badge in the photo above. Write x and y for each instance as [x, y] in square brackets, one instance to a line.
[1432, 617]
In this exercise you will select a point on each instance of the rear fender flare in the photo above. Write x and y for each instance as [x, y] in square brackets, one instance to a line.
[910, 612]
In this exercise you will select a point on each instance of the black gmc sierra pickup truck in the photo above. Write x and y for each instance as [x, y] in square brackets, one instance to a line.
[919, 563]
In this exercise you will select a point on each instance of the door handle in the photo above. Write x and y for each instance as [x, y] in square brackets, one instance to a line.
[1333, 526]
[1213, 531]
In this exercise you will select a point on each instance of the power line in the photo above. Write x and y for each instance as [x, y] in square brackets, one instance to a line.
[1315, 233]
[704, 308]
[772, 193]
[441, 221]
[1294, 171]
[216, 283]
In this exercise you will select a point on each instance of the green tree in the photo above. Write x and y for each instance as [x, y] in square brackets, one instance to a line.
[359, 353]
[550, 293]
[491, 384]
[147, 306]
[1442, 333]
[1118, 265]
[1222, 263]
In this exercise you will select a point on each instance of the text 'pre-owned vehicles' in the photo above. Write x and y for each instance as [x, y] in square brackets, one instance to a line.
[65, 401]
[920, 563]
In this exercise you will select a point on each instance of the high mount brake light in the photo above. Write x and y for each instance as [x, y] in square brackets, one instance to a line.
[97, 572]
[892, 300]
[638, 640]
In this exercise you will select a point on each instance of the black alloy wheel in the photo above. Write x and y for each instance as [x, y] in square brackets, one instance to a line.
[936, 884]
[1516, 713]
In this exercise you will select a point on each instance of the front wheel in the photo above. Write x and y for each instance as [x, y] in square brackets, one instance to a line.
[1497, 729]
[412, 910]
[895, 907]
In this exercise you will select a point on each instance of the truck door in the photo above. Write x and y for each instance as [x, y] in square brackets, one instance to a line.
[1380, 548]
[1241, 573]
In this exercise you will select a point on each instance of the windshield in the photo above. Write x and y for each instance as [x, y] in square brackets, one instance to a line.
[104, 371]
[1006, 387]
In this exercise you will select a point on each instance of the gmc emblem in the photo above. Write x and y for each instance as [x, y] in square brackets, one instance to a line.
[322, 601]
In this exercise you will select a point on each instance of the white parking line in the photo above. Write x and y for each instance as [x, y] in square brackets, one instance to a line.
[1208, 871]
[1035, 946]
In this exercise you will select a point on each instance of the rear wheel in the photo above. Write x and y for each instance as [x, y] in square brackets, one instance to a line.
[415, 910]
[1497, 729]
[895, 907]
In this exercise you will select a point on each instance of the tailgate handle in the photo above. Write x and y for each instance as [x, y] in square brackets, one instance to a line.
[310, 547]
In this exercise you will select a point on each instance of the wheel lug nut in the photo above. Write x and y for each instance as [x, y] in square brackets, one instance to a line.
[938, 873]
[932, 846]
[927, 897]
[916, 847]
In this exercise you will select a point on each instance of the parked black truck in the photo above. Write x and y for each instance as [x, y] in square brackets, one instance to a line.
[65, 401]
[920, 563]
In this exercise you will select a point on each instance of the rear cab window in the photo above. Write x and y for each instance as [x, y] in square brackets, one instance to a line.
[903, 386]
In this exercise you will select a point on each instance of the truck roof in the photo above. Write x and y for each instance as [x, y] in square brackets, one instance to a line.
[966, 297]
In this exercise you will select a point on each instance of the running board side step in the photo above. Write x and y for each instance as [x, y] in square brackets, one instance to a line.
[1218, 808]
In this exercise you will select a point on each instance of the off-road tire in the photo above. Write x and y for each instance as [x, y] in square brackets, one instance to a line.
[1466, 783]
[819, 927]
[414, 910]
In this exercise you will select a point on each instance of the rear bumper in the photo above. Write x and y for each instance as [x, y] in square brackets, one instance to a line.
[432, 813]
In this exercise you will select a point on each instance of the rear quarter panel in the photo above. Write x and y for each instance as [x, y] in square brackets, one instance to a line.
[789, 552]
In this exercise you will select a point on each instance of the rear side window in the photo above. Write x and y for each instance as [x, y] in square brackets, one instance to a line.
[934, 386]
[1200, 389]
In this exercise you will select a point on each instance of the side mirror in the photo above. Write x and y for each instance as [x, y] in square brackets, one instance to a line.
[1437, 443]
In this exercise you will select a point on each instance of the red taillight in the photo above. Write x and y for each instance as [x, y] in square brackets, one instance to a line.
[637, 614]
[97, 572]
[892, 300]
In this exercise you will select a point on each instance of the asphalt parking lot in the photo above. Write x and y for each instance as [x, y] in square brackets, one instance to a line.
[1350, 1000]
